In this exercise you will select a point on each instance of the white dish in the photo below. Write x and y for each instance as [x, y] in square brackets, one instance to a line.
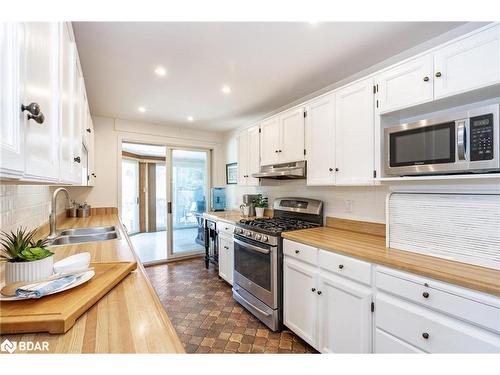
[73, 263]
[79, 281]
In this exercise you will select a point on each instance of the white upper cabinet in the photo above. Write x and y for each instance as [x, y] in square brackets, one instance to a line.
[320, 138]
[40, 76]
[11, 118]
[282, 138]
[467, 64]
[345, 316]
[354, 134]
[248, 156]
[292, 136]
[405, 85]
[91, 150]
[270, 141]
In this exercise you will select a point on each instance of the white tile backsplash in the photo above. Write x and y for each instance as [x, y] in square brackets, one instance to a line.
[25, 205]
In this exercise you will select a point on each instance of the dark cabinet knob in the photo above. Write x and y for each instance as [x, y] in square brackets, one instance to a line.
[438, 74]
[330, 169]
[425, 335]
[297, 251]
[319, 292]
[276, 151]
[93, 174]
[279, 150]
[425, 295]
[34, 112]
[313, 289]
[89, 130]
[77, 159]
[336, 169]
[341, 266]
[426, 79]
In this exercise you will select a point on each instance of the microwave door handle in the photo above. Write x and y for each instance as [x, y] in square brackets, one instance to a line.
[252, 247]
[461, 139]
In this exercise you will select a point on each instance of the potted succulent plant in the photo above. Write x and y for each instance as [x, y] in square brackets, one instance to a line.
[260, 204]
[26, 259]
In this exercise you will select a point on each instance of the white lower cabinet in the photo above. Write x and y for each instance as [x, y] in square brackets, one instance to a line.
[300, 299]
[386, 343]
[226, 256]
[345, 317]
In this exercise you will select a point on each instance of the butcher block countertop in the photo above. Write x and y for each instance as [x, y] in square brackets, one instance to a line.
[129, 319]
[371, 248]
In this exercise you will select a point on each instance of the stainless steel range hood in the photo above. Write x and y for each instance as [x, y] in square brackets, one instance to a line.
[287, 171]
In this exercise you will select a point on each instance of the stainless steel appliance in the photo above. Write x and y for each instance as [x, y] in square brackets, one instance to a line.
[286, 171]
[258, 256]
[464, 142]
[248, 200]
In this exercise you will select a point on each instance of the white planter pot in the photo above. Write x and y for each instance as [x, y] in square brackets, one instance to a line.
[259, 211]
[29, 271]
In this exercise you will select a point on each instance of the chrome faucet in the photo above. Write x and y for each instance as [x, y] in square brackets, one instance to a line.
[53, 212]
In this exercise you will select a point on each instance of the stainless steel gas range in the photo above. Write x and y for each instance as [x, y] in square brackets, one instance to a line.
[258, 256]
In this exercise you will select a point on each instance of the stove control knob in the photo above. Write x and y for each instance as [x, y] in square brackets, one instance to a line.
[265, 239]
[248, 233]
[258, 237]
[238, 230]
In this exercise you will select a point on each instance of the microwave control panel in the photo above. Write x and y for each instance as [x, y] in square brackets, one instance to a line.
[481, 137]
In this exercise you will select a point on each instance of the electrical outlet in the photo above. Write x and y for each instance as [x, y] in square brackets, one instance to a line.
[348, 205]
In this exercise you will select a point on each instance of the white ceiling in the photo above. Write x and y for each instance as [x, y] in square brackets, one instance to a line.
[267, 65]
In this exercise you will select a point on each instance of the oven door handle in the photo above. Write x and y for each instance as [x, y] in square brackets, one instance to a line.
[252, 247]
[252, 305]
[461, 139]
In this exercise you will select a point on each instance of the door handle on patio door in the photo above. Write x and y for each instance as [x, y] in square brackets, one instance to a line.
[169, 207]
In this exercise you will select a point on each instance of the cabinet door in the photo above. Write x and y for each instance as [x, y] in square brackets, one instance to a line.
[300, 299]
[270, 141]
[91, 153]
[223, 257]
[320, 140]
[79, 119]
[11, 118]
[230, 260]
[354, 134]
[292, 136]
[389, 344]
[468, 64]
[40, 65]
[406, 85]
[68, 104]
[253, 155]
[345, 318]
[242, 144]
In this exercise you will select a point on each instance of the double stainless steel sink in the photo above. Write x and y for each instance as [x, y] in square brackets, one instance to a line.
[81, 235]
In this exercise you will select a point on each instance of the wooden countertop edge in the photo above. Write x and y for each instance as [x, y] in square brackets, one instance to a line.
[435, 271]
[163, 314]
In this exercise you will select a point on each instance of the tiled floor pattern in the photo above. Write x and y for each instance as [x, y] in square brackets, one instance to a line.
[208, 319]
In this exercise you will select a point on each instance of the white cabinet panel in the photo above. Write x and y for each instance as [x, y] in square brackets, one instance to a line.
[292, 136]
[91, 153]
[389, 344]
[270, 141]
[405, 85]
[320, 140]
[300, 299]
[11, 118]
[468, 64]
[40, 65]
[242, 145]
[345, 317]
[226, 258]
[354, 134]
[248, 142]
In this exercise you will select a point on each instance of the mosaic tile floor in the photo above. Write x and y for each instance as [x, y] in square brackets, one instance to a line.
[208, 319]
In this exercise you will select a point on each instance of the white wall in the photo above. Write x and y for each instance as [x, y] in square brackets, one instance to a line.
[109, 133]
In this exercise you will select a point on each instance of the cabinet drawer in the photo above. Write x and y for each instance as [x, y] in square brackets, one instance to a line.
[386, 343]
[429, 331]
[300, 251]
[441, 297]
[354, 269]
[226, 228]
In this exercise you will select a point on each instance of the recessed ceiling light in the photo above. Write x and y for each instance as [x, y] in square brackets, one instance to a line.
[226, 89]
[160, 70]
[141, 109]
[190, 118]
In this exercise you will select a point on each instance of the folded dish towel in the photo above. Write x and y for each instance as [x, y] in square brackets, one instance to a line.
[44, 288]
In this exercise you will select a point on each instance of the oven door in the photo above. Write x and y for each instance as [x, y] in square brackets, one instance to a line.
[256, 270]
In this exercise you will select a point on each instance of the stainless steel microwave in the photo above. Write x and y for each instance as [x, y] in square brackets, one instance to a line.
[465, 142]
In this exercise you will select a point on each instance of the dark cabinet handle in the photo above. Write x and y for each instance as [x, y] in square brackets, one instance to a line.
[313, 290]
[336, 169]
[319, 292]
[425, 335]
[34, 112]
[438, 74]
[330, 169]
[426, 79]
[279, 150]
[276, 151]
[93, 174]
[77, 159]
[89, 130]
[425, 295]
[341, 266]
[297, 251]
